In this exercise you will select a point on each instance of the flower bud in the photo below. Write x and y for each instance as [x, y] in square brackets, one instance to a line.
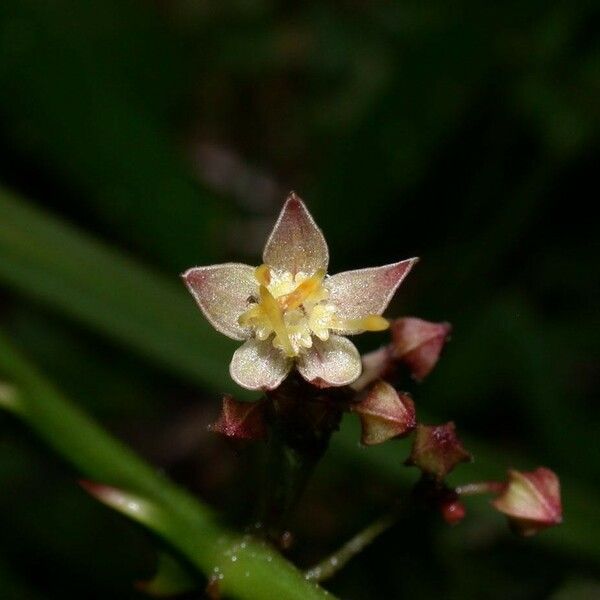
[241, 420]
[384, 414]
[452, 509]
[531, 500]
[375, 365]
[437, 450]
[418, 344]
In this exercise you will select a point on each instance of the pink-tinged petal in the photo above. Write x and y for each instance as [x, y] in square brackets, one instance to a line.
[356, 294]
[531, 500]
[296, 242]
[222, 292]
[257, 365]
[330, 363]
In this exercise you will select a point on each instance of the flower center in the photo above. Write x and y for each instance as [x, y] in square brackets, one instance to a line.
[294, 308]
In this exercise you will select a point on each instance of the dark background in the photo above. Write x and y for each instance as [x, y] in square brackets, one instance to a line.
[464, 133]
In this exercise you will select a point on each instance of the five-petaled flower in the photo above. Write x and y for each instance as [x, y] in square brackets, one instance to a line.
[289, 311]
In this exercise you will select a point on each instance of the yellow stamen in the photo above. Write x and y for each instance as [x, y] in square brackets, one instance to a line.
[274, 313]
[262, 274]
[250, 315]
[302, 292]
[368, 323]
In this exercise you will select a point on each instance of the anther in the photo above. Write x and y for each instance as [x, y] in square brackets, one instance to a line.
[274, 313]
[262, 274]
[368, 323]
[306, 289]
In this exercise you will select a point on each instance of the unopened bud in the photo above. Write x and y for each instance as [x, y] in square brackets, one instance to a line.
[418, 344]
[453, 510]
[384, 414]
[241, 420]
[375, 365]
[531, 500]
[437, 450]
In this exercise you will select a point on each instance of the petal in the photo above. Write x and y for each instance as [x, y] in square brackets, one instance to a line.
[356, 294]
[296, 242]
[257, 365]
[330, 363]
[222, 292]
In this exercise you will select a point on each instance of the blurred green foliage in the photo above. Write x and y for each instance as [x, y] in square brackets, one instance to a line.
[465, 133]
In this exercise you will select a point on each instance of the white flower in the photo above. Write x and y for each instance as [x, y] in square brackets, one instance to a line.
[289, 312]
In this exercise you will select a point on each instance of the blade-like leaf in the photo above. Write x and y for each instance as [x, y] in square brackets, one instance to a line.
[250, 569]
[75, 274]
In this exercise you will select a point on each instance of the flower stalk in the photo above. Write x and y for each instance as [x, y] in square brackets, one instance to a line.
[335, 562]
[301, 420]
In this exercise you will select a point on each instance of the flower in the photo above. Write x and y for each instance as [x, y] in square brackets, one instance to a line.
[531, 500]
[289, 312]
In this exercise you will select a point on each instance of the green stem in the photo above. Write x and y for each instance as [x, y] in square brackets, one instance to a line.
[482, 487]
[338, 560]
[287, 473]
[301, 420]
[251, 570]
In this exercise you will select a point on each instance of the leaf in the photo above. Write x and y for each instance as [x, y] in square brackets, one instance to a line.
[84, 279]
[250, 569]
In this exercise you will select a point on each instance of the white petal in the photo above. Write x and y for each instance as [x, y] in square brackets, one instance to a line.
[296, 242]
[222, 292]
[257, 365]
[356, 294]
[330, 363]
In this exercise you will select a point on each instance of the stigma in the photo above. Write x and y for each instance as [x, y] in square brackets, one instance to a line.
[295, 308]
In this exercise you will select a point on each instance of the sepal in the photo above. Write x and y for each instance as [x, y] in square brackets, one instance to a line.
[241, 420]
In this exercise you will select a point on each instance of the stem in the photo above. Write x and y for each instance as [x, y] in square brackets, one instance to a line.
[287, 473]
[301, 421]
[338, 560]
[482, 487]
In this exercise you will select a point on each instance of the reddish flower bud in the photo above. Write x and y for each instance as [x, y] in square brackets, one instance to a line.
[531, 500]
[241, 420]
[384, 414]
[418, 344]
[437, 450]
[453, 510]
[375, 365]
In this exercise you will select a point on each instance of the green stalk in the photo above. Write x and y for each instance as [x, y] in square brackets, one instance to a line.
[335, 562]
[287, 474]
[250, 569]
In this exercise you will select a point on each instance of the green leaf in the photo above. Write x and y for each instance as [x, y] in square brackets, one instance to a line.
[84, 279]
[250, 569]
